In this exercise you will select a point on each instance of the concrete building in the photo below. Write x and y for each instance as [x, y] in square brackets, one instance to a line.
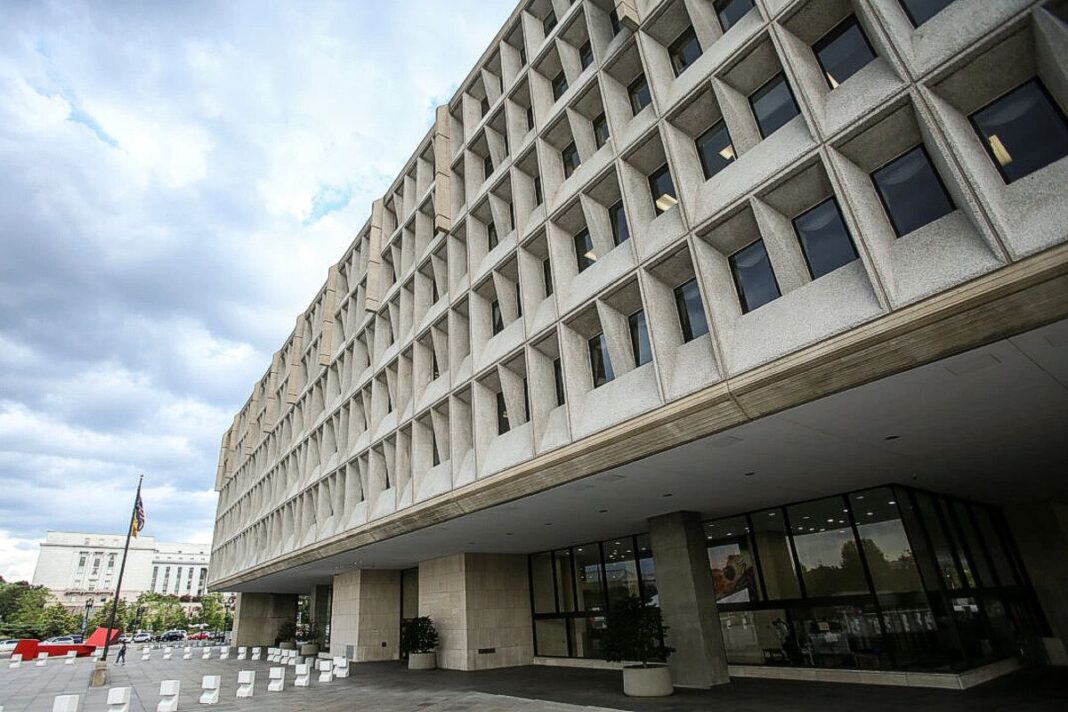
[753, 309]
[78, 566]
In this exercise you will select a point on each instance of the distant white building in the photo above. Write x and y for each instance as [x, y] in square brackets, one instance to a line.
[77, 566]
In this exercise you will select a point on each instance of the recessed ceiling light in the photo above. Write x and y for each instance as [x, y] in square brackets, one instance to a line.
[548, 524]
[508, 533]
[891, 437]
[748, 474]
[602, 511]
[668, 494]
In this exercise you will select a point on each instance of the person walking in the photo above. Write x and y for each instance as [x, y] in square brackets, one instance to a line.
[120, 659]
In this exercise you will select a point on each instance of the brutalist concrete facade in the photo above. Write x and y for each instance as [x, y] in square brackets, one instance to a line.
[379, 415]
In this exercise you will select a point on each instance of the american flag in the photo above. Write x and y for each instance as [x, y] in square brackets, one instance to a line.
[138, 522]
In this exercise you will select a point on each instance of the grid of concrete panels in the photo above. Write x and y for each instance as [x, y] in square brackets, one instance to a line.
[387, 392]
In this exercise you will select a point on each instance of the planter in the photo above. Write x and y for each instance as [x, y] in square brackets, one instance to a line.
[309, 650]
[652, 681]
[422, 661]
[288, 645]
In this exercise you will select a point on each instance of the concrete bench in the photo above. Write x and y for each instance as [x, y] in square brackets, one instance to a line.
[303, 678]
[168, 694]
[341, 666]
[246, 682]
[65, 703]
[277, 679]
[119, 699]
[210, 684]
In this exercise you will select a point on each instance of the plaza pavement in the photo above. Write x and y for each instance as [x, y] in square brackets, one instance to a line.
[390, 687]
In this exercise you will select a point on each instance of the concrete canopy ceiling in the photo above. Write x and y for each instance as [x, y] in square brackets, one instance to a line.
[987, 424]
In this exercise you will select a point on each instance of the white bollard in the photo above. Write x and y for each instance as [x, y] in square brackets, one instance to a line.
[16, 661]
[119, 699]
[341, 666]
[291, 658]
[210, 685]
[65, 703]
[146, 654]
[277, 681]
[168, 693]
[242, 653]
[224, 653]
[303, 676]
[42, 660]
[71, 655]
[326, 671]
[187, 653]
[256, 653]
[167, 653]
[206, 655]
[246, 681]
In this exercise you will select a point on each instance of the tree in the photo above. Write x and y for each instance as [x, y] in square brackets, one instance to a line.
[31, 604]
[635, 631]
[102, 614]
[57, 620]
[212, 611]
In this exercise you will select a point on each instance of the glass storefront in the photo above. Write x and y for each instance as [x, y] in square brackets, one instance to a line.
[886, 578]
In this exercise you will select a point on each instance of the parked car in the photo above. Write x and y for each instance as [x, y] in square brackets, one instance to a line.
[126, 638]
[172, 635]
[199, 635]
[142, 637]
[6, 646]
[61, 640]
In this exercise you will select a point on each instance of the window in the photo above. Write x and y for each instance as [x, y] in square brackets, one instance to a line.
[155, 575]
[613, 19]
[753, 276]
[911, 191]
[570, 156]
[586, 54]
[530, 118]
[111, 561]
[843, 51]
[684, 51]
[639, 338]
[639, 94]
[730, 11]
[491, 235]
[1023, 131]
[487, 166]
[558, 379]
[584, 253]
[773, 105]
[714, 148]
[82, 559]
[826, 548]
[663, 189]
[600, 130]
[496, 319]
[434, 296]
[502, 415]
[825, 241]
[511, 216]
[435, 456]
[617, 216]
[522, 56]
[549, 22]
[600, 362]
[435, 372]
[518, 300]
[559, 85]
[547, 276]
[484, 105]
[538, 197]
[920, 11]
[691, 311]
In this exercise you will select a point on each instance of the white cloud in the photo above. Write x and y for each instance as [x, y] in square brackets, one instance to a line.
[18, 556]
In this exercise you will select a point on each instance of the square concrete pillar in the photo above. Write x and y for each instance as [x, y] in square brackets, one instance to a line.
[258, 616]
[365, 616]
[1041, 533]
[480, 605]
[687, 600]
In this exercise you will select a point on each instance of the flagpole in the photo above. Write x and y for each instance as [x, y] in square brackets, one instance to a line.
[122, 570]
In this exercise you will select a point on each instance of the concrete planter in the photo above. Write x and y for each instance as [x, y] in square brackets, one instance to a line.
[288, 645]
[422, 661]
[309, 650]
[652, 681]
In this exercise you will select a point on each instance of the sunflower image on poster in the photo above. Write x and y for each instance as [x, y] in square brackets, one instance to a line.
[733, 577]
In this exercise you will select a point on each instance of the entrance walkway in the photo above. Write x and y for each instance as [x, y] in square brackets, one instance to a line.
[390, 687]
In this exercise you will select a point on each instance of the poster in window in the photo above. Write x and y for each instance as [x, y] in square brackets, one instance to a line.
[733, 576]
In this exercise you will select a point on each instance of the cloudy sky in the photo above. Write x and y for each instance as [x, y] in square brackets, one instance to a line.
[175, 180]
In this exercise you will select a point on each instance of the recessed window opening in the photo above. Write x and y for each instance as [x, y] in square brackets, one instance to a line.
[549, 22]
[920, 11]
[547, 276]
[491, 235]
[690, 310]
[715, 150]
[1022, 131]
[600, 129]
[773, 105]
[754, 278]
[558, 379]
[843, 51]
[503, 425]
[730, 11]
[617, 217]
[911, 191]
[586, 54]
[684, 51]
[613, 20]
[584, 253]
[496, 318]
[639, 338]
[639, 94]
[825, 240]
[600, 362]
[571, 159]
[559, 83]
[662, 188]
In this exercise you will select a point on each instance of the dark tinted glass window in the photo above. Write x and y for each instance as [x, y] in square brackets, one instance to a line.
[491, 236]
[639, 338]
[825, 241]
[435, 372]
[484, 105]
[435, 455]
[600, 129]
[570, 155]
[889, 554]
[487, 165]
[826, 548]
[684, 51]
[558, 379]
[600, 363]
[584, 253]
[613, 19]
[502, 415]
[734, 578]
[547, 276]
[691, 312]
[776, 558]
[621, 570]
[639, 94]
[773, 105]
[586, 54]
[920, 11]
[549, 22]
[662, 189]
[518, 300]
[1023, 131]
[559, 85]
[714, 149]
[434, 295]
[511, 217]
[730, 11]
[589, 577]
[911, 191]
[843, 51]
[530, 118]
[496, 318]
[617, 216]
[538, 198]
[753, 276]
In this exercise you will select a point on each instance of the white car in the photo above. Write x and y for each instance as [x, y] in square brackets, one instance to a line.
[142, 637]
[6, 646]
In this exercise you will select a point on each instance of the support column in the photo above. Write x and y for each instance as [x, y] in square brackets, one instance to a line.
[257, 617]
[480, 605]
[687, 600]
[1041, 533]
[365, 616]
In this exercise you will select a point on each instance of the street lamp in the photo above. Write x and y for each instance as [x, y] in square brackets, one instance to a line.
[88, 612]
